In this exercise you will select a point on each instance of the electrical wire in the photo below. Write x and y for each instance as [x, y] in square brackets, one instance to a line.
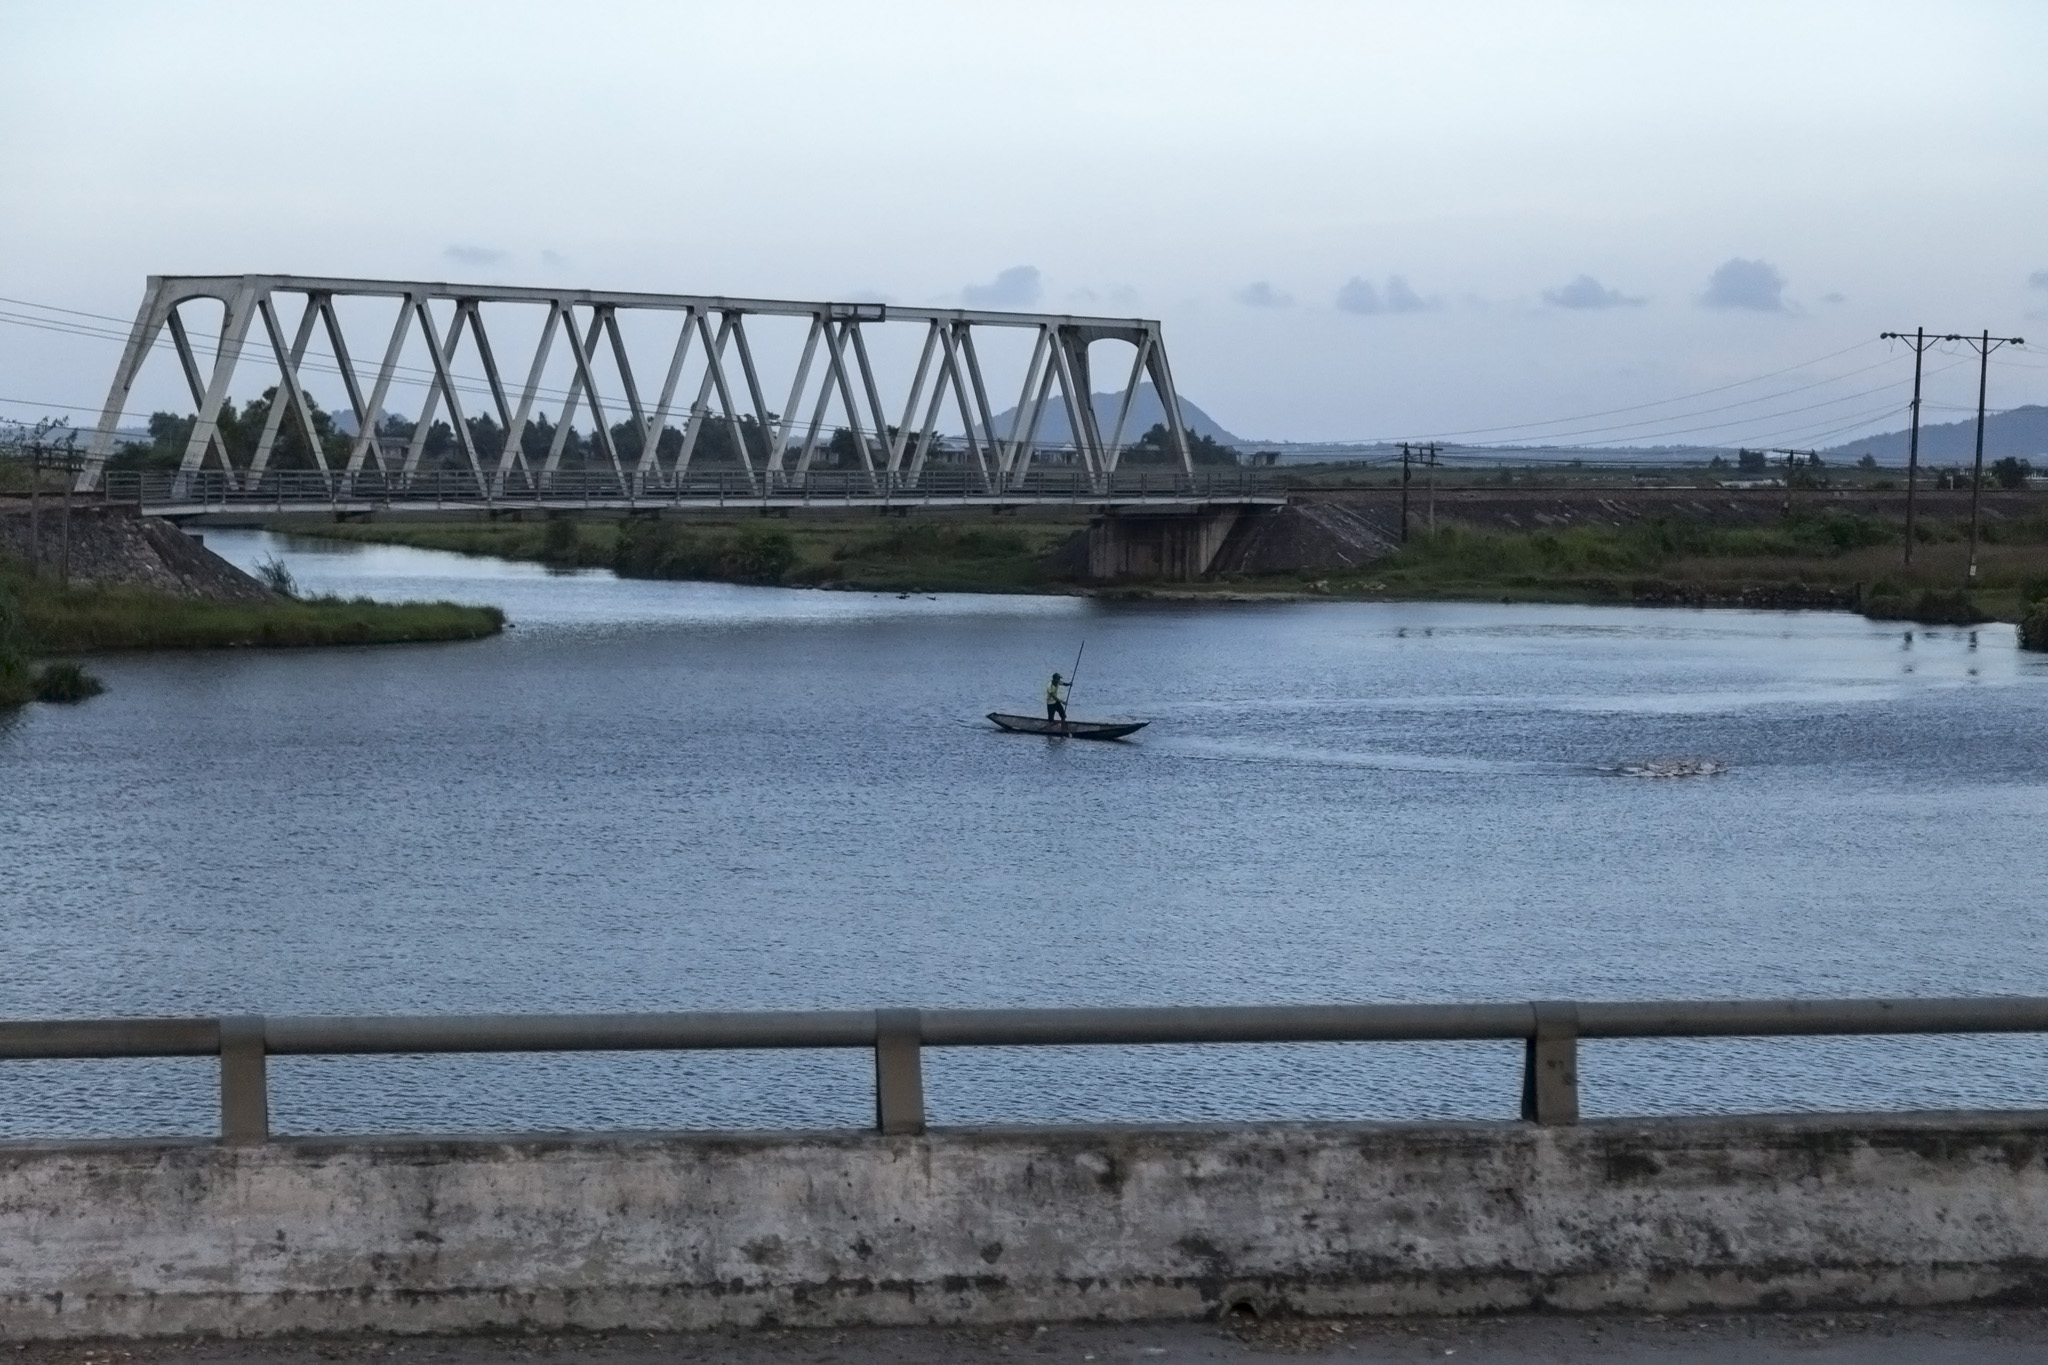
[476, 387]
[1648, 429]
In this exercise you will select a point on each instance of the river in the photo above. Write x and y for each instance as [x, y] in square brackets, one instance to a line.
[658, 796]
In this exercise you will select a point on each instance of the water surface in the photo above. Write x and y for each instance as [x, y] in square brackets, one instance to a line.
[655, 796]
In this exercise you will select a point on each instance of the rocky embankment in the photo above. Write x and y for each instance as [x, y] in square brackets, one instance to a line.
[1551, 509]
[113, 547]
[1307, 537]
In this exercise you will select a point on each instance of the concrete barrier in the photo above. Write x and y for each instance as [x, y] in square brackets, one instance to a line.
[984, 1226]
[1147, 543]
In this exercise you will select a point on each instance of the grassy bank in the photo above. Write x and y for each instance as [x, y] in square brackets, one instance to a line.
[1851, 562]
[53, 620]
[979, 554]
[1829, 559]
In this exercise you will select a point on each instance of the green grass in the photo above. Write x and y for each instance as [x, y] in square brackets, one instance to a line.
[1817, 559]
[1851, 558]
[963, 554]
[583, 544]
[53, 620]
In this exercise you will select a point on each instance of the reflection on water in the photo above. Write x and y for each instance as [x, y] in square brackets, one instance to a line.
[674, 796]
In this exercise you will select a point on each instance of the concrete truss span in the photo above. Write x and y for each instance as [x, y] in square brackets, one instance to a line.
[647, 374]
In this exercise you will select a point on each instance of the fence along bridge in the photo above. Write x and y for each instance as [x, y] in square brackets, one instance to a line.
[214, 492]
[593, 352]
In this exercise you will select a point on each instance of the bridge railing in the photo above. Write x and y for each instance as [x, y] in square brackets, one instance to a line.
[1549, 1030]
[282, 489]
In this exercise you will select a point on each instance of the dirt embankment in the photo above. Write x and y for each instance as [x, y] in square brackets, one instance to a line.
[1538, 509]
[1306, 537]
[112, 547]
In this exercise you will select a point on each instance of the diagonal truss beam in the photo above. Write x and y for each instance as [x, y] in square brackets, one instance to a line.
[942, 382]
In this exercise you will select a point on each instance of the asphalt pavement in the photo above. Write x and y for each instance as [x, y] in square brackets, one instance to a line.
[1978, 1337]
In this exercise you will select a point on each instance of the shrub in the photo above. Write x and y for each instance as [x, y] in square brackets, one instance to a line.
[276, 577]
[16, 686]
[933, 540]
[1930, 608]
[66, 683]
[558, 542]
[2034, 627]
[747, 554]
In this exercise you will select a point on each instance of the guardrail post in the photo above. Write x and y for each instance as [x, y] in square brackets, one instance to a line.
[1550, 1068]
[244, 1085]
[899, 1072]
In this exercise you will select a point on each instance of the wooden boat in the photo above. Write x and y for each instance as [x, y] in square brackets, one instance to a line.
[1067, 729]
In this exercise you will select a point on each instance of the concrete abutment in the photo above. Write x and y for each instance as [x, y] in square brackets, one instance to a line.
[681, 1232]
[1172, 546]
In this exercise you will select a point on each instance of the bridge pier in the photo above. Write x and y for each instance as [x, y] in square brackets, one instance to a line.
[1176, 545]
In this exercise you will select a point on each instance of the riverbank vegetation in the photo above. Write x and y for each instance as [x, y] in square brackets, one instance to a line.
[1822, 560]
[1815, 560]
[923, 553]
[52, 620]
[20, 681]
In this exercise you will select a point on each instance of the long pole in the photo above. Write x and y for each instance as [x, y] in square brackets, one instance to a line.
[1404, 492]
[1985, 344]
[64, 537]
[1921, 341]
[1433, 448]
[35, 508]
[1913, 441]
[1072, 677]
[1977, 470]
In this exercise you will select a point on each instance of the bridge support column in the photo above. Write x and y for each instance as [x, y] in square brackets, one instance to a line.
[1177, 545]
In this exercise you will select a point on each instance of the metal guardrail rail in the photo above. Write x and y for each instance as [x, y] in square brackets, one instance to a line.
[1550, 1031]
[285, 490]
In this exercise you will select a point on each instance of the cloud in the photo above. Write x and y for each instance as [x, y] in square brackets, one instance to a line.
[1587, 292]
[1737, 283]
[1260, 294]
[473, 255]
[1401, 299]
[553, 260]
[2039, 279]
[1112, 295]
[1017, 287]
[1360, 296]
[1834, 298]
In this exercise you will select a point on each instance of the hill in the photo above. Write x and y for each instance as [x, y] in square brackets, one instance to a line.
[1146, 412]
[2020, 431]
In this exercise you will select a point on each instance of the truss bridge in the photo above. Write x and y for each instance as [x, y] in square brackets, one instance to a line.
[651, 395]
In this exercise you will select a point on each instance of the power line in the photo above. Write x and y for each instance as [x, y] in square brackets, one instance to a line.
[472, 385]
[464, 383]
[1662, 402]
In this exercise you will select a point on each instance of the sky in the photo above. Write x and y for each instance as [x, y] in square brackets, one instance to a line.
[1355, 221]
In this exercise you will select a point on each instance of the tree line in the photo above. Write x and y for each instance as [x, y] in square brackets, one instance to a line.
[719, 442]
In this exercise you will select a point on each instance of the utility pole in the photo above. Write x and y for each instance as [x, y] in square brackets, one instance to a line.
[1404, 492]
[1920, 342]
[1432, 448]
[1984, 345]
[35, 507]
[64, 540]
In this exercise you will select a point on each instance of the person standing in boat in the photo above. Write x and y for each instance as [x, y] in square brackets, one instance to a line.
[1055, 705]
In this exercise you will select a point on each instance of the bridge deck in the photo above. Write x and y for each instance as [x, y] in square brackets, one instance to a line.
[765, 505]
[283, 494]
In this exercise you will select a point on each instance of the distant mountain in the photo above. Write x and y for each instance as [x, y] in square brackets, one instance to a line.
[2020, 431]
[345, 421]
[1146, 412]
